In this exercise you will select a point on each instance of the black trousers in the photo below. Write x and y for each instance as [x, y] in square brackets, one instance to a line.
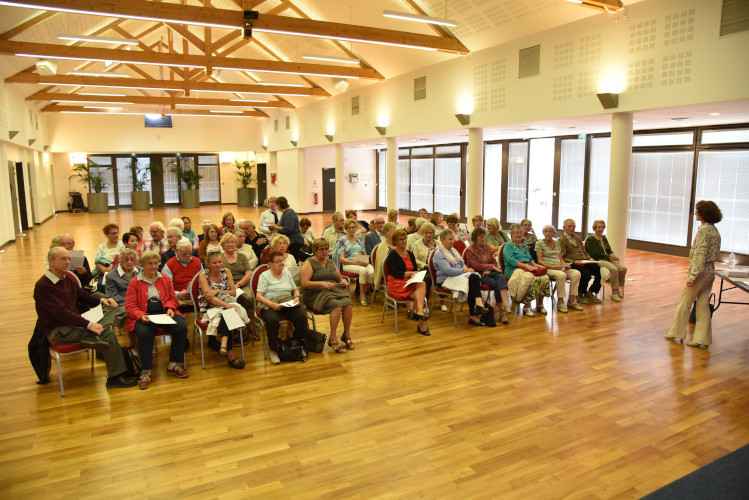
[147, 331]
[272, 324]
[588, 271]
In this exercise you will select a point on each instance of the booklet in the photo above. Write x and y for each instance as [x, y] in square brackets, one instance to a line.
[161, 319]
[94, 314]
[361, 257]
[76, 259]
[417, 278]
[232, 319]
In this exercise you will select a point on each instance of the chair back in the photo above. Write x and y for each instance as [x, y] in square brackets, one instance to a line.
[195, 293]
[432, 270]
[501, 258]
[460, 246]
[373, 257]
[256, 277]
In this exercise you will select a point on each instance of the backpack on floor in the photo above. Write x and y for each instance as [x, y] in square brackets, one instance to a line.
[132, 362]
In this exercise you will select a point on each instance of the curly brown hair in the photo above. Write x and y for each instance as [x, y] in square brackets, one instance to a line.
[709, 211]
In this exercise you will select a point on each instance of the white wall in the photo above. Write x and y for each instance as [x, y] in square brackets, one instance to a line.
[361, 195]
[316, 160]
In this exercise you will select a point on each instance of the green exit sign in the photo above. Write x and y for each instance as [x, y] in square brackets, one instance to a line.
[581, 136]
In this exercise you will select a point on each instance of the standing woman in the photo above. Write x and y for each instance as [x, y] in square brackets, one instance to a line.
[700, 277]
[211, 242]
[327, 292]
[401, 266]
[598, 247]
[519, 267]
[348, 248]
[288, 225]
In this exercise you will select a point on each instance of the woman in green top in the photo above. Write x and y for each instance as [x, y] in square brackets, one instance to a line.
[598, 247]
[495, 236]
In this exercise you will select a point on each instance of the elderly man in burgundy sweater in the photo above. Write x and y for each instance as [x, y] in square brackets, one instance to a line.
[56, 294]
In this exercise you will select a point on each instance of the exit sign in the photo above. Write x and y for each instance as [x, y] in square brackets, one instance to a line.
[581, 136]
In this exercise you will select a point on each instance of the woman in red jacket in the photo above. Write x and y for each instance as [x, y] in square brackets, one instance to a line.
[151, 293]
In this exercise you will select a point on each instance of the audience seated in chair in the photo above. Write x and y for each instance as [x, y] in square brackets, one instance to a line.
[401, 266]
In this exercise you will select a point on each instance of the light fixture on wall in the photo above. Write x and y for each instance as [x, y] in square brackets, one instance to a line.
[608, 100]
[329, 137]
[418, 18]
[265, 148]
[381, 130]
[12, 133]
[98, 39]
[31, 141]
[463, 119]
[294, 143]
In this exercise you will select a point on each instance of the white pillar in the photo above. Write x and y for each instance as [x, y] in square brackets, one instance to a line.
[304, 196]
[619, 180]
[339, 180]
[475, 173]
[392, 172]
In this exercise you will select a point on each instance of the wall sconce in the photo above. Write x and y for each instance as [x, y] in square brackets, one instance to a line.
[381, 130]
[329, 137]
[12, 133]
[464, 119]
[608, 100]
[265, 148]
[31, 141]
[293, 143]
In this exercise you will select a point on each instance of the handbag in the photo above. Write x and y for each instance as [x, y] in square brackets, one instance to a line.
[291, 350]
[538, 271]
[315, 341]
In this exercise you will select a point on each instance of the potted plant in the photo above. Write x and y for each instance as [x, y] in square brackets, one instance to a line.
[245, 194]
[91, 174]
[191, 178]
[140, 198]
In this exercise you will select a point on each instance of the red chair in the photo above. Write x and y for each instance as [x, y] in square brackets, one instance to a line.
[200, 327]
[460, 246]
[55, 351]
[441, 292]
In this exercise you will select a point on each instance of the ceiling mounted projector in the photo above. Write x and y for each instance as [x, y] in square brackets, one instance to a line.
[46, 68]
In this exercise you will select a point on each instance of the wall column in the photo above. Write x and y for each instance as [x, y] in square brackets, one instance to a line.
[339, 180]
[475, 173]
[619, 180]
[304, 197]
[392, 172]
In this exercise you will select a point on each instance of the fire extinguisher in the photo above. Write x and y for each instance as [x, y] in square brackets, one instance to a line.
[315, 197]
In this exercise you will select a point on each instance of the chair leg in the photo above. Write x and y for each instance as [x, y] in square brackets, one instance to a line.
[241, 342]
[395, 313]
[59, 374]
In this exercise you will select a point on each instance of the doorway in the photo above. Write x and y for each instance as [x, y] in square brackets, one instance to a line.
[328, 190]
[21, 195]
[262, 184]
[14, 198]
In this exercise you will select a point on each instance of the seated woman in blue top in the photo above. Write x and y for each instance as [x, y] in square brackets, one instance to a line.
[274, 287]
[523, 285]
[447, 262]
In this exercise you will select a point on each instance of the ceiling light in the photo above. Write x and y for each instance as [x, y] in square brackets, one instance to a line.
[99, 94]
[272, 84]
[345, 60]
[342, 38]
[226, 111]
[574, 1]
[309, 73]
[105, 14]
[88, 73]
[92, 102]
[247, 100]
[714, 114]
[99, 39]
[110, 61]
[101, 107]
[419, 18]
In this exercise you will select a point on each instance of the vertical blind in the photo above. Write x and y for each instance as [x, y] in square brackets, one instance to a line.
[517, 181]
[598, 192]
[492, 181]
[571, 181]
[209, 187]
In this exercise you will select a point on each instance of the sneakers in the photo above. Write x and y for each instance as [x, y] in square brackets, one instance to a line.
[561, 308]
[274, 359]
[592, 298]
[615, 298]
[581, 299]
[443, 308]
[575, 306]
[177, 371]
[145, 381]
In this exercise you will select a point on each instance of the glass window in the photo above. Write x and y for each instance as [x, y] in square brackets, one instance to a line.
[422, 152]
[541, 181]
[171, 183]
[571, 180]
[447, 185]
[447, 150]
[493, 181]
[104, 166]
[382, 179]
[403, 184]
[124, 180]
[667, 139]
[422, 182]
[209, 187]
[598, 189]
[659, 197]
[723, 177]
[725, 136]
[517, 181]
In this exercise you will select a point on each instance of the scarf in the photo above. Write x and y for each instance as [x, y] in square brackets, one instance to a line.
[451, 255]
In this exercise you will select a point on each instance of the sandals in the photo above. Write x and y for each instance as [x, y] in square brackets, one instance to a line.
[223, 351]
[254, 336]
[475, 323]
[337, 347]
[479, 310]
[349, 345]
[696, 344]
[528, 312]
[236, 363]
[503, 319]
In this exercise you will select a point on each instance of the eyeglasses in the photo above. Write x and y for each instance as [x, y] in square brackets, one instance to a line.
[323, 249]
[113, 233]
[277, 262]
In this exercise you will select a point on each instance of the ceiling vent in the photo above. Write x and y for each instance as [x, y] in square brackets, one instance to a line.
[46, 68]
[734, 18]
[529, 63]
[420, 88]
[340, 84]
[355, 105]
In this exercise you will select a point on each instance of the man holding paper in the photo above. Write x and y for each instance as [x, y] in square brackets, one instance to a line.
[56, 295]
[151, 304]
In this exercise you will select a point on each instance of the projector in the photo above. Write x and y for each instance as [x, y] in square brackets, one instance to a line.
[46, 68]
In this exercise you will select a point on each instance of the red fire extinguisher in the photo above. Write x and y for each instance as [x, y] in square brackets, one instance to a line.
[315, 197]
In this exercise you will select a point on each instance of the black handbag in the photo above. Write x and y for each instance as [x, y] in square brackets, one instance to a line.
[315, 341]
[291, 350]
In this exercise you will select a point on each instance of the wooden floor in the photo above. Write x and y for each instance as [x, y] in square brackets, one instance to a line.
[585, 405]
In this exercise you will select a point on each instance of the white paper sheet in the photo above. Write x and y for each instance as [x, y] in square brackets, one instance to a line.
[94, 314]
[232, 319]
[161, 319]
[76, 259]
[239, 292]
[417, 278]
[361, 257]
[589, 261]
[288, 303]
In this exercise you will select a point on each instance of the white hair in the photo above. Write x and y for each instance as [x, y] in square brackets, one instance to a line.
[158, 225]
[184, 243]
[174, 230]
[177, 223]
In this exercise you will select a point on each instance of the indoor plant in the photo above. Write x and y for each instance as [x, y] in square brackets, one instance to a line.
[91, 174]
[140, 198]
[245, 194]
[191, 178]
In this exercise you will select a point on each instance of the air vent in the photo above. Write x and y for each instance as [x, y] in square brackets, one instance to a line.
[355, 105]
[275, 125]
[420, 88]
[530, 62]
[288, 122]
[734, 18]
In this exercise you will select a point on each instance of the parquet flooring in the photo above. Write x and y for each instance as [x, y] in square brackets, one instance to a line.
[584, 405]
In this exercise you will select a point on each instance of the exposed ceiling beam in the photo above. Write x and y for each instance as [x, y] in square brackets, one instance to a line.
[167, 101]
[155, 111]
[233, 19]
[600, 5]
[187, 86]
[28, 24]
[183, 60]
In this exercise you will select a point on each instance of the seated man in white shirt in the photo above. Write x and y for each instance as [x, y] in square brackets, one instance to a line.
[268, 217]
[335, 232]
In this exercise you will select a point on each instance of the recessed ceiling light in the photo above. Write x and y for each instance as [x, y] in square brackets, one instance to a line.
[714, 114]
